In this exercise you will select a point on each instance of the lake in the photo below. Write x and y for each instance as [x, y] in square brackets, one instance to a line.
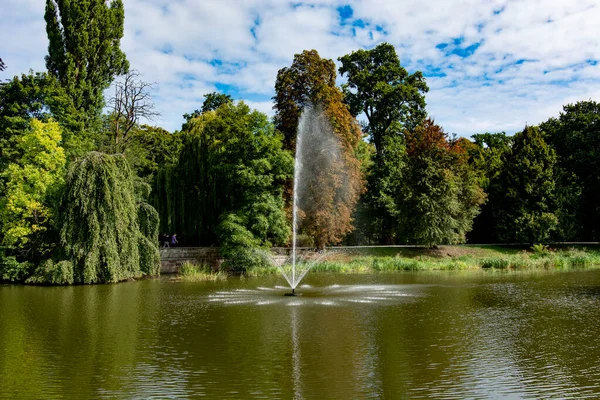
[471, 334]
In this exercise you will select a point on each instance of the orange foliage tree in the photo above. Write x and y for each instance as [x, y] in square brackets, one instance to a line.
[331, 193]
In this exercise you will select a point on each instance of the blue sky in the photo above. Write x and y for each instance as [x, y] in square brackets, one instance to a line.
[491, 65]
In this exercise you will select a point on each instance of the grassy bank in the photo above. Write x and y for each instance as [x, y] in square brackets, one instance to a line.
[447, 258]
[189, 272]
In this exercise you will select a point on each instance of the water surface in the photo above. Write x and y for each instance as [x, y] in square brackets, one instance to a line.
[405, 335]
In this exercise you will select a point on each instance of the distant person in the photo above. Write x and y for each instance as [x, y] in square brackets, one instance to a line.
[174, 239]
[166, 240]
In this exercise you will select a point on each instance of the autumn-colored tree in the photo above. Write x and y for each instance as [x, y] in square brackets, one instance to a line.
[310, 82]
[429, 187]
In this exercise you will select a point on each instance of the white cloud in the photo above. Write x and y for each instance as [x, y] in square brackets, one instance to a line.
[533, 55]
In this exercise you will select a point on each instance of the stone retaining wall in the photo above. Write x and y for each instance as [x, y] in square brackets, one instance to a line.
[171, 258]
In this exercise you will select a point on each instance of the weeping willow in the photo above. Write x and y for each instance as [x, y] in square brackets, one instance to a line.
[148, 222]
[99, 222]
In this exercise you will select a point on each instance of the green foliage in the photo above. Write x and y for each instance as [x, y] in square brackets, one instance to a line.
[227, 185]
[83, 52]
[32, 96]
[307, 82]
[540, 250]
[427, 187]
[392, 100]
[148, 223]
[497, 263]
[380, 87]
[51, 273]
[31, 185]
[151, 148]
[149, 256]
[488, 161]
[526, 212]
[575, 136]
[13, 270]
[193, 273]
[212, 101]
[335, 181]
[99, 229]
[231, 162]
[239, 247]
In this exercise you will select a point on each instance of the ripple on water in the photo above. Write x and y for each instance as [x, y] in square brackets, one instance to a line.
[332, 295]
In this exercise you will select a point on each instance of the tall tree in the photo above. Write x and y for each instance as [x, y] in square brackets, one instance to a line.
[310, 82]
[429, 187]
[527, 210]
[384, 91]
[84, 52]
[231, 168]
[487, 158]
[392, 100]
[575, 135]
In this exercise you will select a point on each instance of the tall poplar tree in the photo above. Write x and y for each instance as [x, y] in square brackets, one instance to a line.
[84, 51]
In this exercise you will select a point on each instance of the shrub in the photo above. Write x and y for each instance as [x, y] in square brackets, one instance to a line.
[48, 272]
[496, 263]
[192, 272]
[13, 270]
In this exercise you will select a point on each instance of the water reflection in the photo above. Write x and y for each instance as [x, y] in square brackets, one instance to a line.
[333, 295]
[296, 356]
[384, 335]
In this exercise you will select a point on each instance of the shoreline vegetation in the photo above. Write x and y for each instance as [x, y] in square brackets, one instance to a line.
[442, 258]
[87, 192]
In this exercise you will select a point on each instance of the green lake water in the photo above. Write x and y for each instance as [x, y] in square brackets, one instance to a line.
[457, 335]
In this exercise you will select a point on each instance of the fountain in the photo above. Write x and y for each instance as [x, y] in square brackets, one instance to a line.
[317, 148]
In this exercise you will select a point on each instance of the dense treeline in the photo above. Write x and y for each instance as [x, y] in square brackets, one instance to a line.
[85, 194]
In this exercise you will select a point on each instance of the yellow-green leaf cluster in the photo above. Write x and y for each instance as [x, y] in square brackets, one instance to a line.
[25, 205]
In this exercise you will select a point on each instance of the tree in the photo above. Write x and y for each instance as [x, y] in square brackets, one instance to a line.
[310, 83]
[382, 89]
[310, 80]
[429, 187]
[31, 185]
[99, 222]
[36, 95]
[132, 100]
[575, 135]
[488, 161]
[527, 211]
[83, 51]
[228, 178]
[393, 101]
[212, 101]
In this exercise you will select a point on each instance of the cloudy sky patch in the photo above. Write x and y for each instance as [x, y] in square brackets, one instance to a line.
[491, 65]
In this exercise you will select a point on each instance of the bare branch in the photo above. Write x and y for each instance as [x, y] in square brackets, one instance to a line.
[132, 101]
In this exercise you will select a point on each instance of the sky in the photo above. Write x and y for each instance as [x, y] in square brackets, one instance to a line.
[491, 65]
